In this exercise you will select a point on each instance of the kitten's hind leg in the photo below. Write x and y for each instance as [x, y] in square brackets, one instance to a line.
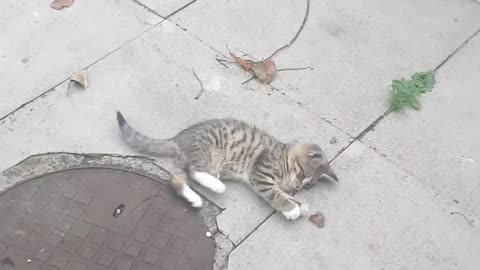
[179, 183]
[209, 181]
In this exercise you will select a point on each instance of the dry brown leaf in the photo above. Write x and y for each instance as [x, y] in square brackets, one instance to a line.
[318, 219]
[60, 4]
[81, 78]
[265, 70]
[244, 63]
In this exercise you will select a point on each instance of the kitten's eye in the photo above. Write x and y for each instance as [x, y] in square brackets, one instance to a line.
[314, 155]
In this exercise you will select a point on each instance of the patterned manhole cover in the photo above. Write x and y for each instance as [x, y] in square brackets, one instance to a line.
[100, 219]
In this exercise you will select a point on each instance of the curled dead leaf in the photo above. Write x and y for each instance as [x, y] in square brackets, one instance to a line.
[318, 219]
[244, 63]
[264, 71]
[60, 4]
[81, 78]
[334, 140]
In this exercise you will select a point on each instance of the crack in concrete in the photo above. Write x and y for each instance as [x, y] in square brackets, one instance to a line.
[319, 116]
[51, 89]
[180, 9]
[254, 229]
[222, 265]
[362, 133]
[386, 113]
[457, 50]
[23, 105]
[149, 9]
[86, 67]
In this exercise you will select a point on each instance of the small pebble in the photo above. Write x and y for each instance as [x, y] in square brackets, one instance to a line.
[118, 210]
[29, 261]
[208, 234]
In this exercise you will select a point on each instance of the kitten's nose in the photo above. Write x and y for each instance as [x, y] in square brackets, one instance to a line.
[333, 175]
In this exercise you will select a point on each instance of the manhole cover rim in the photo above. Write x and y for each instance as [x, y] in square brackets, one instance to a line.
[96, 180]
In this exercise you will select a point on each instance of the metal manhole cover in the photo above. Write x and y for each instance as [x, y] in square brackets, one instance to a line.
[100, 219]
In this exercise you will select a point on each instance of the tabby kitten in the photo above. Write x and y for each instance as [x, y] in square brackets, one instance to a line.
[230, 149]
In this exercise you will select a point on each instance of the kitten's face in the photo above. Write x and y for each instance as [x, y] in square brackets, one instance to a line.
[315, 165]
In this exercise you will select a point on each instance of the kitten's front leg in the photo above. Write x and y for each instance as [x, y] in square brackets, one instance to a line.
[264, 184]
[294, 213]
[301, 209]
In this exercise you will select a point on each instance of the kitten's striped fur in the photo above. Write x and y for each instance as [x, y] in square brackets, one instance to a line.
[230, 149]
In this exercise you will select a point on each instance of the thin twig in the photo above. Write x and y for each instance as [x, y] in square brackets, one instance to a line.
[223, 61]
[201, 84]
[244, 53]
[287, 69]
[228, 48]
[296, 35]
[468, 220]
[253, 77]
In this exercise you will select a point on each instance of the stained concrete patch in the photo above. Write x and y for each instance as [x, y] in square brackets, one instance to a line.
[355, 47]
[377, 217]
[439, 143]
[40, 47]
[151, 81]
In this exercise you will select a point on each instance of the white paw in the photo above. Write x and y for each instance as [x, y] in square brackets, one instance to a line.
[209, 181]
[292, 214]
[197, 203]
[191, 196]
[218, 187]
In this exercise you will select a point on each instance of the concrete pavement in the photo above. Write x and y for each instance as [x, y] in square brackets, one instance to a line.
[399, 183]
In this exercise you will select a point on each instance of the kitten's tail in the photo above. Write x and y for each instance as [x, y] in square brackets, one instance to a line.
[144, 144]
